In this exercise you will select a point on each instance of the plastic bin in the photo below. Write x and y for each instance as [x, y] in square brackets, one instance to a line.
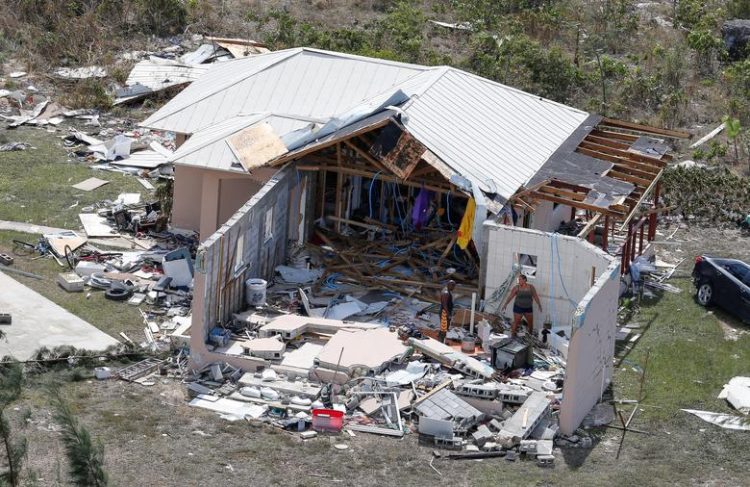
[255, 292]
[328, 420]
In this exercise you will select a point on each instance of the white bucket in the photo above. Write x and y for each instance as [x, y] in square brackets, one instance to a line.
[255, 292]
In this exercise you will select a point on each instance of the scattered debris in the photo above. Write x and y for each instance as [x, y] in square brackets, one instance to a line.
[726, 421]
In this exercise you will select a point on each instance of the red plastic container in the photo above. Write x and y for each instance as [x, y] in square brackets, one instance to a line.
[327, 420]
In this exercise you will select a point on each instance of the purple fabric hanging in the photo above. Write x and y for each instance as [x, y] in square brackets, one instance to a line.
[421, 210]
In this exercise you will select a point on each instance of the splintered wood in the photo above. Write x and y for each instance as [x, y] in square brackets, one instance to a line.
[408, 266]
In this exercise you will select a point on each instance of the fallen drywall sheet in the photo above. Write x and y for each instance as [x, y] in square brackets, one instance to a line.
[38, 322]
[292, 326]
[90, 184]
[96, 226]
[303, 357]
[228, 408]
[726, 421]
[737, 393]
[370, 349]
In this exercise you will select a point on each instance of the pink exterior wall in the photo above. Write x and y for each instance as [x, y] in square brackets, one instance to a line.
[204, 198]
[186, 209]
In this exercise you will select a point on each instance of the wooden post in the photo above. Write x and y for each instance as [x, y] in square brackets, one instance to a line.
[640, 243]
[624, 254]
[652, 217]
[339, 181]
[605, 235]
[322, 189]
[632, 243]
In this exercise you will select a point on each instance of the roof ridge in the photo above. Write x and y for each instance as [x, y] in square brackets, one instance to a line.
[370, 59]
[221, 87]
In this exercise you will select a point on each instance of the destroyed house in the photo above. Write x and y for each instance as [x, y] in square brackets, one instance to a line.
[405, 176]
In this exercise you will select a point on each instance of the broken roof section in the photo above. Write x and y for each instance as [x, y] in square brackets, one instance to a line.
[495, 136]
[157, 73]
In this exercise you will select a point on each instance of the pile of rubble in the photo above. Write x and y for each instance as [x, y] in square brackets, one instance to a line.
[483, 393]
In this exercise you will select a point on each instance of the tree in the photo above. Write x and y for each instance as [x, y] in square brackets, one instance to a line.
[734, 133]
[85, 457]
[11, 382]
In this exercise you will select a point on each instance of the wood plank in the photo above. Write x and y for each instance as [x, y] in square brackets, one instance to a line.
[362, 153]
[387, 178]
[612, 158]
[641, 200]
[590, 225]
[619, 163]
[607, 141]
[644, 162]
[614, 135]
[611, 122]
[629, 178]
[576, 204]
[563, 193]
[294, 155]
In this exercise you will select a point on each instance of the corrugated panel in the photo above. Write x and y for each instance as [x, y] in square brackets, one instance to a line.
[309, 83]
[159, 76]
[492, 134]
[208, 148]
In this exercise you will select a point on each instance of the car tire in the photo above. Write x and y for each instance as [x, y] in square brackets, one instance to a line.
[117, 293]
[705, 294]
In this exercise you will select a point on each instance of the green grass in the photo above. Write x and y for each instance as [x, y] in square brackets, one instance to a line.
[109, 316]
[689, 358]
[36, 184]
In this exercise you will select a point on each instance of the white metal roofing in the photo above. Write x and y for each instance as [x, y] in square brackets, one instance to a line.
[496, 136]
[159, 74]
[209, 148]
[492, 134]
[301, 82]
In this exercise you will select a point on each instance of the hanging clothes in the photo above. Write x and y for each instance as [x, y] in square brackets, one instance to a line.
[467, 225]
[420, 213]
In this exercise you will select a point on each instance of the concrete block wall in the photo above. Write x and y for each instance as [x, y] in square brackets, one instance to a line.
[219, 280]
[565, 266]
[589, 365]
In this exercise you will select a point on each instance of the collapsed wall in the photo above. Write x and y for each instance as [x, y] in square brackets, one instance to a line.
[249, 245]
[578, 285]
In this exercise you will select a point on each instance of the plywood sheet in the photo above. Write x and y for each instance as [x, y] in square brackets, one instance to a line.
[90, 184]
[398, 150]
[256, 145]
[96, 226]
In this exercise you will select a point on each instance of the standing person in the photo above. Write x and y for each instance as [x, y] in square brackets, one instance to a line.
[446, 309]
[523, 306]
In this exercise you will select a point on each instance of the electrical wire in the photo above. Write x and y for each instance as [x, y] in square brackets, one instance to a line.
[372, 183]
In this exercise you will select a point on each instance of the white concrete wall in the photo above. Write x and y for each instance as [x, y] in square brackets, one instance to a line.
[548, 219]
[565, 267]
[591, 350]
[586, 312]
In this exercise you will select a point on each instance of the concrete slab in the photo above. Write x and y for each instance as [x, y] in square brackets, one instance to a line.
[38, 322]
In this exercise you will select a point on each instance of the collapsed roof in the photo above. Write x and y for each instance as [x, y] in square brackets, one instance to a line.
[494, 136]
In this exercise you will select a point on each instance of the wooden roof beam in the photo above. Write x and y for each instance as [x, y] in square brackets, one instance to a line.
[644, 162]
[636, 127]
[642, 182]
[576, 204]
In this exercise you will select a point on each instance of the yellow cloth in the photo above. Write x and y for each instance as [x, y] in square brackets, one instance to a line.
[467, 225]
